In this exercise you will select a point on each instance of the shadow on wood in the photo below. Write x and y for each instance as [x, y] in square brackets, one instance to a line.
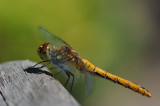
[37, 71]
[31, 87]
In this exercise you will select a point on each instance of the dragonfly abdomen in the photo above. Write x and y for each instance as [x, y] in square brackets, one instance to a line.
[103, 74]
[127, 84]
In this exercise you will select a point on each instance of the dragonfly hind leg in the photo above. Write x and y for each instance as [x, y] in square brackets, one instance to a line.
[57, 73]
[69, 73]
[67, 79]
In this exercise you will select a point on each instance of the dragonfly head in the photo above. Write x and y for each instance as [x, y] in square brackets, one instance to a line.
[43, 51]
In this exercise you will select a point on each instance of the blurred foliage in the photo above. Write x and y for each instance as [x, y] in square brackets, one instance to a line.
[111, 34]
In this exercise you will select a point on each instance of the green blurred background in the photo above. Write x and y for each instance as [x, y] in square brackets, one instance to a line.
[120, 36]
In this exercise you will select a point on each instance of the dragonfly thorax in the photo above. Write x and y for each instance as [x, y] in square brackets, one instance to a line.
[64, 55]
[61, 55]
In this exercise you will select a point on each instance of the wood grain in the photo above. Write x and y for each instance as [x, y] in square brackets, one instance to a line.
[20, 86]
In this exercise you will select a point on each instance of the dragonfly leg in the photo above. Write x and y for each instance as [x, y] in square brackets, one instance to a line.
[72, 77]
[67, 72]
[44, 65]
[53, 68]
[40, 63]
[57, 73]
[72, 81]
[67, 79]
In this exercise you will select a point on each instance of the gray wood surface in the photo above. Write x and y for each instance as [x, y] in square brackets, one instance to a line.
[31, 87]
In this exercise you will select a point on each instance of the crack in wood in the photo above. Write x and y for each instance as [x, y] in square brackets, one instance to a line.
[4, 98]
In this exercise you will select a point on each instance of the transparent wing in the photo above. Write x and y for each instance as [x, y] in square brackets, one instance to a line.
[88, 82]
[51, 38]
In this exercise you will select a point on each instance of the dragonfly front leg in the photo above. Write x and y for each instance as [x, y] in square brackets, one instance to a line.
[49, 61]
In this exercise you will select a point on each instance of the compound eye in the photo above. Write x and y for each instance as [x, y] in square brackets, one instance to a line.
[45, 47]
[40, 49]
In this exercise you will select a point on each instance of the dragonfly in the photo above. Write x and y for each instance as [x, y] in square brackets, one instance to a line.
[67, 61]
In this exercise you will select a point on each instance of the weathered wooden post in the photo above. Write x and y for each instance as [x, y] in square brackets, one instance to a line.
[31, 87]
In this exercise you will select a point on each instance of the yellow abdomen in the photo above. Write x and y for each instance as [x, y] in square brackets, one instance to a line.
[103, 74]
